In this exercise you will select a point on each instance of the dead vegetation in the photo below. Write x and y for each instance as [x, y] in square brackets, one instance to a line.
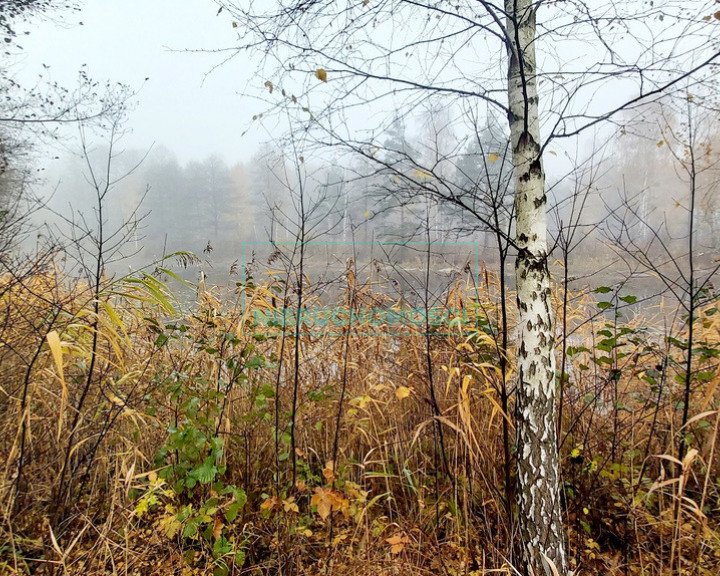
[146, 440]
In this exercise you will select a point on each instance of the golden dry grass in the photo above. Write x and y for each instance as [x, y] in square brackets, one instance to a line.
[412, 488]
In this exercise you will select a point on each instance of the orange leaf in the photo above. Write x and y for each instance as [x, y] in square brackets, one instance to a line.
[397, 543]
[217, 528]
[326, 500]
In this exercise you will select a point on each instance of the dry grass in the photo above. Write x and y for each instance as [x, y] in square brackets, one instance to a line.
[408, 490]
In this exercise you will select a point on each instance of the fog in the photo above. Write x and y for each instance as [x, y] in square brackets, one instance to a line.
[206, 164]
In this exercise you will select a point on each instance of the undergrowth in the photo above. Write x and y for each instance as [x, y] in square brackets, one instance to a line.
[186, 455]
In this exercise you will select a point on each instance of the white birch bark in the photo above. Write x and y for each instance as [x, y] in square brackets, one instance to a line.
[538, 488]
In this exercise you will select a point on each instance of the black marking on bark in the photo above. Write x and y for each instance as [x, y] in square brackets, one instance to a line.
[526, 139]
[540, 202]
[536, 168]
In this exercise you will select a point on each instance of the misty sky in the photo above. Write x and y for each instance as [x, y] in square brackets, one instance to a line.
[181, 106]
[128, 40]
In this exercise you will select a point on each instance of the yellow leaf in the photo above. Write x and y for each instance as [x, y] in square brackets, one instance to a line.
[322, 501]
[234, 24]
[53, 339]
[321, 74]
[661, 143]
[367, 213]
[329, 472]
[402, 392]
[493, 157]
[397, 543]
[361, 401]
[290, 505]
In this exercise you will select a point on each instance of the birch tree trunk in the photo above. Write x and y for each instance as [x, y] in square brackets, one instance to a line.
[538, 489]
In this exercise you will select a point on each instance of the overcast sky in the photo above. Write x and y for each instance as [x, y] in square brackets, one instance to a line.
[129, 40]
[181, 107]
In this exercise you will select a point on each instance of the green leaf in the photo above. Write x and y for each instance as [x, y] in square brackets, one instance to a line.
[161, 340]
[602, 290]
[191, 528]
[216, 445]
[573, 350]
[239, 501]
[255, 362]
[205, 473]
[606, 345]
[221, 547]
